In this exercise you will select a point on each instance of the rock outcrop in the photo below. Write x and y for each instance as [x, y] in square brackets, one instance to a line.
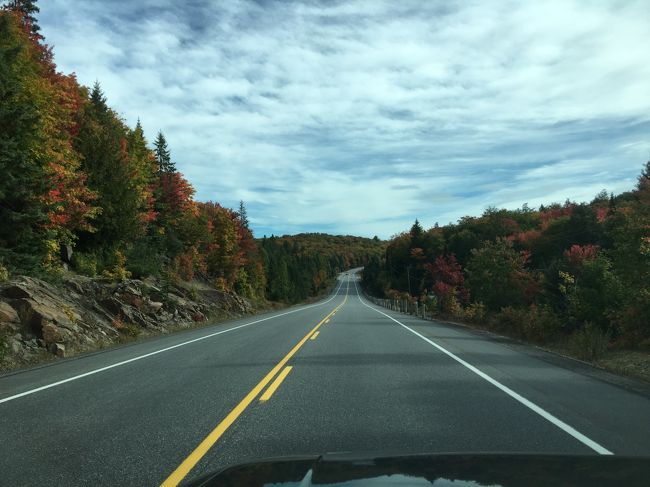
[39, 320]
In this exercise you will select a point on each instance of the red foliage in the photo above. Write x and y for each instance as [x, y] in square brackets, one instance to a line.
[601, 213]
[176, 194]
[578, 254]
[448, 277]
[554, 213]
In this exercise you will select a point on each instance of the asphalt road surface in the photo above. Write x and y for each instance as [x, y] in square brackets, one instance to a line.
[341, 375]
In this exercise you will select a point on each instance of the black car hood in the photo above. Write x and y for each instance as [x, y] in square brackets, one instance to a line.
[441, 470]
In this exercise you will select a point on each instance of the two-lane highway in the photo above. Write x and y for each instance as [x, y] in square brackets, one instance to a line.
[341, 375]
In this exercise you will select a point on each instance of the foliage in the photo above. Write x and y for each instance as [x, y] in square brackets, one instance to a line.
[118, 272]
[563, 270]
[589, 342]
[4, 273]
[497, 275]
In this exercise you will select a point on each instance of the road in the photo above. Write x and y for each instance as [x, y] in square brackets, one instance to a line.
[173, 408]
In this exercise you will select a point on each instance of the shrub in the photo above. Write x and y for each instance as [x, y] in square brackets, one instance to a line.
[118, 272]
[539, 324]
[588, 343]
[634, 320]
[4, 273]
[474, 312]
[144, 259]
[4, 346]
[85, 264]
[542, 324]
[126, 329]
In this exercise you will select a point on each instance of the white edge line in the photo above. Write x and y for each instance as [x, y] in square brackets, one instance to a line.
[140, 357]
[518, 397]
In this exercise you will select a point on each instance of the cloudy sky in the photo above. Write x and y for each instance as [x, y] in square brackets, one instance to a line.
[358, 117]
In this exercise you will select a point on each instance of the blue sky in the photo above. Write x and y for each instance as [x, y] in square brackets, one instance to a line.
[358, 117]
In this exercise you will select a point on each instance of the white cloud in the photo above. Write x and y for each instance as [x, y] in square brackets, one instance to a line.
[356, 117]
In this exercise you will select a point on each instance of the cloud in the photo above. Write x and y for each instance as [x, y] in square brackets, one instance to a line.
[358, 117]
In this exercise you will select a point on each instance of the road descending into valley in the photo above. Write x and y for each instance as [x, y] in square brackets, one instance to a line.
[340, 375]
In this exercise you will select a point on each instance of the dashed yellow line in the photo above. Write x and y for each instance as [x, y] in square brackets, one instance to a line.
[276, 383]
[313, 337]
[199, 452]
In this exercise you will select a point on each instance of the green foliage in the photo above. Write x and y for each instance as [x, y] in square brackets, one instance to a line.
[539, 274]
[497, 275]
[588, 343]
[300, 266]
[4, 273]
[145, 257]
[118, 271]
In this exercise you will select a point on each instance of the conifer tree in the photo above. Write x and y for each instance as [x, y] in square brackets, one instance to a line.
[163, 155]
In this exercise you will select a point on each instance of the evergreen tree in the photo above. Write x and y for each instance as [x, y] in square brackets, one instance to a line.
[243, 215]
[163, 155]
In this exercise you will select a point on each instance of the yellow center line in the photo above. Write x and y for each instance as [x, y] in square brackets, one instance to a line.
[313, 337]
[199, 452]
[276, 383]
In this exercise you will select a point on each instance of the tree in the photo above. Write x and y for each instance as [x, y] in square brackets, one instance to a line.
[43, 196]
[26, 10]
[497, 275]
[119, 170]
[243, 215]
[163, 155]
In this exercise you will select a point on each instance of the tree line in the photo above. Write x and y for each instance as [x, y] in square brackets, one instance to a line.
[572, 270]
[80, 189]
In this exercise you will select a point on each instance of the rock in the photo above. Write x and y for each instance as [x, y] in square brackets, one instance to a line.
[16, 346]
[154, 306]
[51, 333]
[35, 315]
[15, 292]
[58, 349]
[7, 312]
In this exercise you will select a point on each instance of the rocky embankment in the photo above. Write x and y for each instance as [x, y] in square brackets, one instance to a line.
[40, 321]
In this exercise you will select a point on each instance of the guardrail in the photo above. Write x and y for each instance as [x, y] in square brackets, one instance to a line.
[402, 306]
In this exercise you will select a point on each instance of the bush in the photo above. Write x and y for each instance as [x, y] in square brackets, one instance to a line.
[634, 321]
[126, 329]
[118, 272]
[539, 324]
[85, 264]
[143, 259]
[588, 343]
[4, 346]
[4, 273]
[542, 324]
[474, 312]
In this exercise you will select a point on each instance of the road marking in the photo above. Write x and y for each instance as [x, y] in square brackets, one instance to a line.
[313, 337]
[276, 383]
[140, 357]
[188, 464]
[327, 321]
[518, 397]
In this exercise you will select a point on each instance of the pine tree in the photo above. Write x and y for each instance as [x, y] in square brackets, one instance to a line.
[163, 156]
[243, 215]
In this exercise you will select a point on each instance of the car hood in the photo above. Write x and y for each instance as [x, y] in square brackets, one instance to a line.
[441, 470]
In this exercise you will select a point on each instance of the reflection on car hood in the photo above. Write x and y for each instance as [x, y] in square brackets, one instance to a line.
[441, 470]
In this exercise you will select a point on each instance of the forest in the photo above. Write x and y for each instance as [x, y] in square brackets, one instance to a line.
[573, 271]
[82, 191]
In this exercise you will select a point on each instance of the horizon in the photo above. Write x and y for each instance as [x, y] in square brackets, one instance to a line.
[357, 118]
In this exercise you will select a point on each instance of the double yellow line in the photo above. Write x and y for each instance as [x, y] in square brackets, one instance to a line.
[199, 452]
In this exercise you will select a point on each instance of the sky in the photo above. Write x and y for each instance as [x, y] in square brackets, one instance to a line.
[358, 117]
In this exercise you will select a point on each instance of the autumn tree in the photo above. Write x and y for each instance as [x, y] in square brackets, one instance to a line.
[43, 197]
[497, 275]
